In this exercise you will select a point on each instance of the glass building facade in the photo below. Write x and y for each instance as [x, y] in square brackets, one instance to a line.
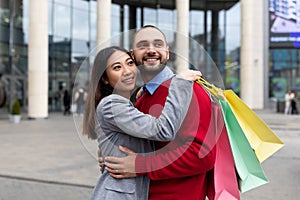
[284, 72]
[72, 29]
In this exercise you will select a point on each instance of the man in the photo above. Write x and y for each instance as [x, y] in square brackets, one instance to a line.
[178, 169]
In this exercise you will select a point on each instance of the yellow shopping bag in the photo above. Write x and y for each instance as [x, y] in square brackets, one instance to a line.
[261, 138]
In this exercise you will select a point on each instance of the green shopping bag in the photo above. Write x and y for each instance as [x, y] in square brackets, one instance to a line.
[248, 167]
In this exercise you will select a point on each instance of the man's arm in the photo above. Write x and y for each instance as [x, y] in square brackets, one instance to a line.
[193, 151]
[181, 162]
[186, 160]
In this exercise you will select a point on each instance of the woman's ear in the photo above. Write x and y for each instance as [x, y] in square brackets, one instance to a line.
[105, 81]
[131, 53]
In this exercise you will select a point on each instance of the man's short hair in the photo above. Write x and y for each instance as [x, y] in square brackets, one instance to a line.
[151, 26]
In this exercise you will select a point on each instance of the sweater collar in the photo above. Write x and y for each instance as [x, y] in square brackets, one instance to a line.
[161, 77]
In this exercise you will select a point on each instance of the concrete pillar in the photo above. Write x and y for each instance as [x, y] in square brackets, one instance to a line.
[38, 59]
[182, 36]
[103, 22]
[254, 53]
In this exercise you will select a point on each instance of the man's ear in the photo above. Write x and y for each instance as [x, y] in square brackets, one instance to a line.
[168, 53]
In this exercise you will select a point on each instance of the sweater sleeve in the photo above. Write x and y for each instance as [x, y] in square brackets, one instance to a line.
[193, 150]
[120, 113]
[181, 162]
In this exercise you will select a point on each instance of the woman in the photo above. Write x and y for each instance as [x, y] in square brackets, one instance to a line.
[120, 123]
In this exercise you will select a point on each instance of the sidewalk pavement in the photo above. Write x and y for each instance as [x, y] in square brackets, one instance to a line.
[48, 159]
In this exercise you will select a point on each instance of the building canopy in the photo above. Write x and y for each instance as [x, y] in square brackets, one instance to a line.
[171, 4]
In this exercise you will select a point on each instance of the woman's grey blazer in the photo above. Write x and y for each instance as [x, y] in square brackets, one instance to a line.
[122, 124]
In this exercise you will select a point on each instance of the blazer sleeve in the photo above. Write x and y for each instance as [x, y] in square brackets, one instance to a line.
[121, 115]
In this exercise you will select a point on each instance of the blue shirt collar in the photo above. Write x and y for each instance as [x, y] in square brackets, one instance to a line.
[161, 77]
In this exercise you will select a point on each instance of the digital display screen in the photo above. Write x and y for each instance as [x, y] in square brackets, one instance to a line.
[284, 23]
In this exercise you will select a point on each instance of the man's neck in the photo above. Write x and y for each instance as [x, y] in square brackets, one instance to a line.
[148, 76]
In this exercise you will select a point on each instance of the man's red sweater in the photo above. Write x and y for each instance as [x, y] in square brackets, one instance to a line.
[178, 168]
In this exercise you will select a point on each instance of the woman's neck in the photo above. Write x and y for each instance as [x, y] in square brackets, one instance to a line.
[125, 94]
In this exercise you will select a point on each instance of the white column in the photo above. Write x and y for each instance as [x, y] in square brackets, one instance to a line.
[103, 22]
[182, 36]
[254, 53]
[38, 59]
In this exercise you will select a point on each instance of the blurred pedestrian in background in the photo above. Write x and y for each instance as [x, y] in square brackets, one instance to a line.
[294, 109]
[80, 97]
[67, 102]
[288, 102]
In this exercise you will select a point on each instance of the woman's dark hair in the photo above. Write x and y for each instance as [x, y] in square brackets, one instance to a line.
[97, 89]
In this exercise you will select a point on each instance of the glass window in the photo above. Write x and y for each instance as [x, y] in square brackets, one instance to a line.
[80, 24]
[80, 46]
[222, 17]
[150, 12]
[166, 19]
[5, 63]
[50, 18]
[284, 58]
[4, 12]
[196, 23]
[3, 49]
[138, 17]
[18, 36]
[93, 22]
[232, 47]
[115, 19]
[19, 58]
[25, 20]
[18, 13]
[62, 21]
[208, 22]
[4, 33]
[20, 50]
[80, 4]
[233, 28]
[64, 2]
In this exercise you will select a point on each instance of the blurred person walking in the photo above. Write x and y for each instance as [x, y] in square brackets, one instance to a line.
[288, 102]
[2, 93]
[294, 109]
[80, 97]
[67, 102]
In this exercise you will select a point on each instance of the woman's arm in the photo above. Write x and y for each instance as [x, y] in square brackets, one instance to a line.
[122, 116]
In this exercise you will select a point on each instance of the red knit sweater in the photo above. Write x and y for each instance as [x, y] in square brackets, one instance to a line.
[178, 169]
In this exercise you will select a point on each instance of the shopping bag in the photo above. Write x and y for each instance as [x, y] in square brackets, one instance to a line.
[261, 138]
[222, 178]
[251, 174]
[247, 162]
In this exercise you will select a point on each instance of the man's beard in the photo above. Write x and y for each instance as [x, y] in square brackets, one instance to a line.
[151, 70]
